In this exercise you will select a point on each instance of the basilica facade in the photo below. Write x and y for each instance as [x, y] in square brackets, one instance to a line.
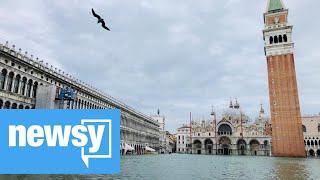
[230, 134]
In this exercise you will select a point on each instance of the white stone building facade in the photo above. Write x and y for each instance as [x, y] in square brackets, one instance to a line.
[183, 140]
[311, 133]
[233, 134]
[162, 134]
[28, 83]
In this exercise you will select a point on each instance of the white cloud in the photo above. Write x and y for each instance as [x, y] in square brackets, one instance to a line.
[181, 56]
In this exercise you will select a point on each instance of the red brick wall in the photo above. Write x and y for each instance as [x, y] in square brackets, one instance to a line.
[282, 19]
[287, 135]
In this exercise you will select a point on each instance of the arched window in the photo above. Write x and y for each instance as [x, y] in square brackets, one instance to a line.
[3, 78]
[16, 84]
[35, 88]
[23, 85]
[224, 129]
[20, 106]
[27, 107]
[7, 105]
[1, 104]
[275, 39]
[14, 106]
[311, 152]
[316, 142]
[304, 128]
[285, 38]
[308, 143]
[10, 81]
[271, 40]
[29, 88]
[280, 38]
[312, 143]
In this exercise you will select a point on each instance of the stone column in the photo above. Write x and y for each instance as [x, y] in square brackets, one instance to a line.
[6, 81]
[12, 83]
[203, 149]
[25, 88]
[19, 85]
[31, 90]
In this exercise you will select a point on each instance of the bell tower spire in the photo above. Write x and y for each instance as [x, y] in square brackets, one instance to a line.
[275, 5]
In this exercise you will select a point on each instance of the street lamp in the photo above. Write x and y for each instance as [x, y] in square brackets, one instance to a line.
[215, 128]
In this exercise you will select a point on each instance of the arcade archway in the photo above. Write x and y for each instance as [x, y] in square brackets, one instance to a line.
[254, 147]
[208, 145]
[311, 153]
[224, 146]
[197, 146]
[242, 147]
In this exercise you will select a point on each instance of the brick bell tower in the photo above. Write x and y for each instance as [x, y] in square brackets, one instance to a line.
[287, 135]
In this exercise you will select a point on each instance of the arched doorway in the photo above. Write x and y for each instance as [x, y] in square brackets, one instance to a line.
[224, 146]
[318, 152]
[254, 147]
[197, 146]
[311, 153]
[242, 147]
[208, 145]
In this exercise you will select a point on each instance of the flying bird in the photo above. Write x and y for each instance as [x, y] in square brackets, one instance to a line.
[100, 20]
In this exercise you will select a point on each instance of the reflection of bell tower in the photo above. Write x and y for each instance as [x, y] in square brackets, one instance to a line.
[287, 137]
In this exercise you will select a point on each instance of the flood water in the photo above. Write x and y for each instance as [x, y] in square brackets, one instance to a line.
[186, 166]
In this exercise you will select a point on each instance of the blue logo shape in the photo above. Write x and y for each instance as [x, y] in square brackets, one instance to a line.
[59, 141]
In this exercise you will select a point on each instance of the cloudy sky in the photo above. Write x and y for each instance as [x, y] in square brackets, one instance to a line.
[180, 56]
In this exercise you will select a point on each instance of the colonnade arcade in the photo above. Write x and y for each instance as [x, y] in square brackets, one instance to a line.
[13, 105]
[231, 146]
[18, 84]
[312, 145]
